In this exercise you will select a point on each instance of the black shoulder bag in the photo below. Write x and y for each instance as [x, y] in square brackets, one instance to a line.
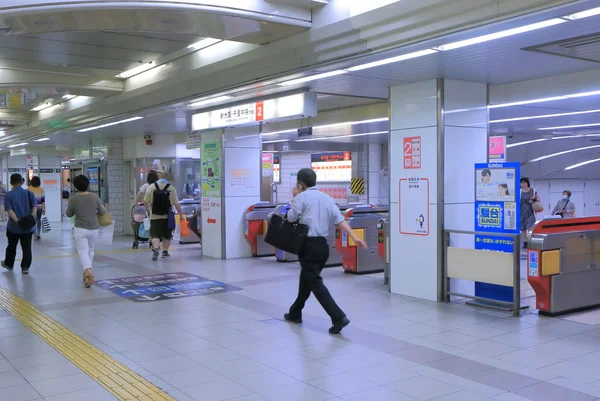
[28, 222]
[289, 237]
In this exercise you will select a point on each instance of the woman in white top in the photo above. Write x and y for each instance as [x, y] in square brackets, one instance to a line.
[150, 180]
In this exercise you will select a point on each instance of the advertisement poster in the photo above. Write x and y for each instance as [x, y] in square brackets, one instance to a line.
[211, 168]
[497, 149]
[497, 192]
[276, 169]
[414, 206]
[332, 166]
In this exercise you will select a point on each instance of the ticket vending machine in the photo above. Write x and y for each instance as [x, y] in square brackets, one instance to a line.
[363, 221]
[255, 228]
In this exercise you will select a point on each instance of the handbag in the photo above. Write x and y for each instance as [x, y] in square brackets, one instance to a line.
[28, 222]
[286, 236]
[537, 206]
[46, 225]
[105, 219]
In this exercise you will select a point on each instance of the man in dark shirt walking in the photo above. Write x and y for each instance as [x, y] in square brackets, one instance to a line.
[18, 203]
[319, 212]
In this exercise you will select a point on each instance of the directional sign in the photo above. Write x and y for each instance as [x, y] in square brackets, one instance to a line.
[159, 287]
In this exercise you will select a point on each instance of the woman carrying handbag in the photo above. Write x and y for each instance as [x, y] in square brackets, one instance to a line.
[530, 205]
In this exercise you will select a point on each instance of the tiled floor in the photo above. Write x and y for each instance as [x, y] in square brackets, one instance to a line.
[232, 346]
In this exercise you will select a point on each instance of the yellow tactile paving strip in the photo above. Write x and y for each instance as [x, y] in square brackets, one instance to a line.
[109, 373]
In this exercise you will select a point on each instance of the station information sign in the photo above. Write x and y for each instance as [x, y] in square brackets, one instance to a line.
[299, 105]
[332, 166]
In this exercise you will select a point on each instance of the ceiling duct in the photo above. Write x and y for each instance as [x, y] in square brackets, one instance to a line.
[586, 47]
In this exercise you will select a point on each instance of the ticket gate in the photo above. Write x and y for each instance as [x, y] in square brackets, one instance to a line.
[255, 228]
[383, 246]
[563, 264]
[363, 221]
[189, 207]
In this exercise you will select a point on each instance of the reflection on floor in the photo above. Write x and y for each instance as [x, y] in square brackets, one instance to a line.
[232, 345]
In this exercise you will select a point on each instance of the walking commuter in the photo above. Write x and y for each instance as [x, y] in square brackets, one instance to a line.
[150, 179]
[3, 216]
[565, 206]
[21, 207]
[528, 197]
[86, 207]
[159, 200]
[319, 212]
[40, 196]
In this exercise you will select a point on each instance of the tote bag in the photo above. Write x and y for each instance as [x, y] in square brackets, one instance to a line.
[105, 234]
[289, 237]
[46, 225]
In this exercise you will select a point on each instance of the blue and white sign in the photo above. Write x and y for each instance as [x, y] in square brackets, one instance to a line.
[159, 287]
[497, 197]
[533, 264]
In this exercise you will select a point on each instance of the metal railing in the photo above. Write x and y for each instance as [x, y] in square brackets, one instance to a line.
[516, 303]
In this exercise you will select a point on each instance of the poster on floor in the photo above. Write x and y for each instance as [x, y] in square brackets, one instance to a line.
[497, 194]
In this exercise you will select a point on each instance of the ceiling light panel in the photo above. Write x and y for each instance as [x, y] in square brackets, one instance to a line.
[313, 77]
[582, 164]
[583, 14]
[397, 59]
[325, 126]
[570, 126]
[545, 99]
[109, 124]
[137, 70]
[564, 152]
[42, 140]
[17, 145]
[574, 113]
[210, 101]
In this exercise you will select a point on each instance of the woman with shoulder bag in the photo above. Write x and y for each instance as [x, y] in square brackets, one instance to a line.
[530, 205]
[86, 207]
[565, 207]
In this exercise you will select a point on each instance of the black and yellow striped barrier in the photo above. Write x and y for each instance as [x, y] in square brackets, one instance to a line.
[357, 186]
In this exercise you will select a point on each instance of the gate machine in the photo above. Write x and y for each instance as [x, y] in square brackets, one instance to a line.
[189, 207]
[255, 228]
[363, 221]
[563, 264]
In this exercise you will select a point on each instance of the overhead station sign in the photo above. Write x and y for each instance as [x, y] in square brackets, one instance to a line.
[293, 106]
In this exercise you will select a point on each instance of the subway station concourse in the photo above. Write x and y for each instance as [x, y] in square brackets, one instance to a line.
[459, 139]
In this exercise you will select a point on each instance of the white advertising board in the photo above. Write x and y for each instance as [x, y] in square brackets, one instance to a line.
[414, 206]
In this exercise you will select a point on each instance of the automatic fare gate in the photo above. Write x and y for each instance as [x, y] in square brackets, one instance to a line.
[563, 264]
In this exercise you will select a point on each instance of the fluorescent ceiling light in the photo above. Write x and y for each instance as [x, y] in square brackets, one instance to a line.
[545, 99]
[42, 107]
[318, 127]
[17, 144]
[564, 152]
[582, 164]
[137, 70]
[501, 34]
[570, 126]
[276, 141]
[313, 77]
[109, 124]
[42, 139]
[574, 113]
[201, 44]
[514, 145]
[583, 14]
[69, 97]
[209, 101]
[396, 59]
[324, 138]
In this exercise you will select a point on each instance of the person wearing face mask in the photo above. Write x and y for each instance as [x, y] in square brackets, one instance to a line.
[565, 206]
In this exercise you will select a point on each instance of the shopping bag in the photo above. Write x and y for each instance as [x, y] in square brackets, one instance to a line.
[146, 224]
[105, 234]
[105, 219]
[46, 225]
[289, 237]
[143, 232]
[171, 223]
[184, 228]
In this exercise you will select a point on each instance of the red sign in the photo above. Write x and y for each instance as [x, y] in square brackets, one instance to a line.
[412, 152]
[260, 111]
[211, 221]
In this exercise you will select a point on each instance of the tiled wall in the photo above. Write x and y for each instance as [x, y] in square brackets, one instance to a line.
[116, 191]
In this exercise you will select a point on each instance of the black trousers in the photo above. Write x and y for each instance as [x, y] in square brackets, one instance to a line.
[313, 257]
[11, 249]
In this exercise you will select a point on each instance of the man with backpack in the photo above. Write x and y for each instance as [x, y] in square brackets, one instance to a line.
[159, 200]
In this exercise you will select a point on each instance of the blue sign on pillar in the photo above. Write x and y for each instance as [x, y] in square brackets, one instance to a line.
[497, 210]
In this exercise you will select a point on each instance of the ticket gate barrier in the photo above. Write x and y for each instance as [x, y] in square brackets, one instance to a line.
[255, 228]
[363, 221]
[189, 207]
[383, 246]
[563, 264]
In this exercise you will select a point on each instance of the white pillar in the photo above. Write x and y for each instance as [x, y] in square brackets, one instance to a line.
[374, 174]
[436, 189]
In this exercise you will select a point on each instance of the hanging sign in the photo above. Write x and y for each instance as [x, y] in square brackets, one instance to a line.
[300, 105]
[332, 166]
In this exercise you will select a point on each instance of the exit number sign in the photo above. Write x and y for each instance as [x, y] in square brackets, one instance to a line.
[412, 152]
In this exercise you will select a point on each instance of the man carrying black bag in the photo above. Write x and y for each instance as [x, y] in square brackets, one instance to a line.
[21, 206]
[319, 212]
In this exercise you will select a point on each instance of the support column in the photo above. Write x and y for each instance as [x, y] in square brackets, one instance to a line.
[114, 176]
[374, 174]
[435, 139]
